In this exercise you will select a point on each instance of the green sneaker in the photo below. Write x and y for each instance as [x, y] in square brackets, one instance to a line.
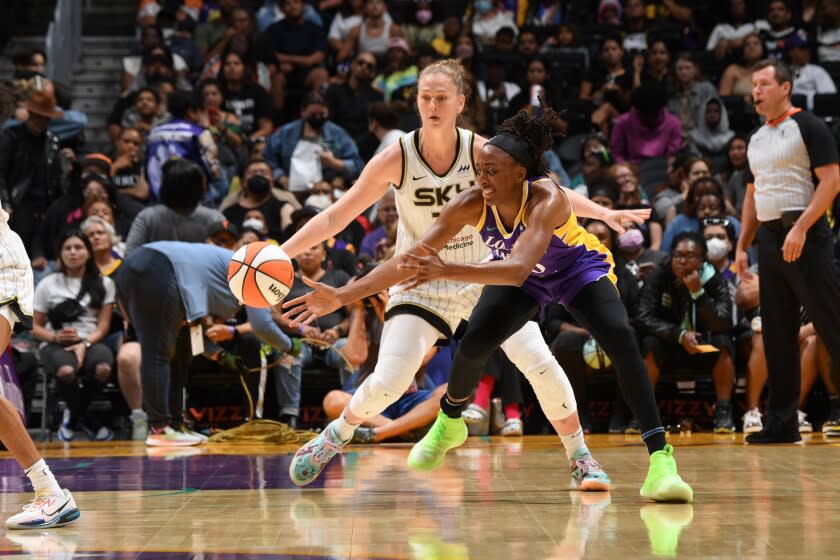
[663, 482]
[446, 433]
[664, 524]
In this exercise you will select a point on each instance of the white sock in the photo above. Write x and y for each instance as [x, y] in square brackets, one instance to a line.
[138, 414]
[43, 480]
[574, 443]
[343, 428]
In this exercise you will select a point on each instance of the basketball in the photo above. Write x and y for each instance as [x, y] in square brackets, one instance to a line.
[260, 274]
[594, 355]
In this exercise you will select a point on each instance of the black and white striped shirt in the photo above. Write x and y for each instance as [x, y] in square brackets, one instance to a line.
[782, 159]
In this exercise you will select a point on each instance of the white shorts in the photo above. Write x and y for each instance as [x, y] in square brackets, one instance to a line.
[444, 310]
[17, 288]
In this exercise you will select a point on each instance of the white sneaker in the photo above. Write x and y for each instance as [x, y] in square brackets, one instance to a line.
[512, 427]
[169, 437]
[752, 421]
[139, 426]
[46, 511]
[199, 435]
[805, 427]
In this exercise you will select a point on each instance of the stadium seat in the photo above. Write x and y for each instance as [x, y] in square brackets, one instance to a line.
[799, 100]
[652, 173]
[569, 150]
[827, 104]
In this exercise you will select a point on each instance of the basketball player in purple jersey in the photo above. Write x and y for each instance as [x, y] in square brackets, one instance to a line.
[52, 505]
[540, 254]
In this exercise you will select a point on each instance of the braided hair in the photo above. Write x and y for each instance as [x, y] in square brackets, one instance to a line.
[537, 132]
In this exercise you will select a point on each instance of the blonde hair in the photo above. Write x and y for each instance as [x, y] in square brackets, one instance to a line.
[454, 69]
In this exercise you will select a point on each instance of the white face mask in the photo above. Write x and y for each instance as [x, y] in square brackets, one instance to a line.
[254, 223]
[717, 249]
[319, 201]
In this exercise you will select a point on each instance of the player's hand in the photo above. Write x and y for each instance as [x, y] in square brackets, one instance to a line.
[423, 267]
[794, 242]
[689, 342]
[614, 218]
[742, 265]
[323, 300]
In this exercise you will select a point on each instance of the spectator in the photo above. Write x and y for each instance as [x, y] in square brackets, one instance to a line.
[422, 30]
[165, 285]
[299, 47]
[711, 135]
[828, 32]
[245, 98]
[689, 90]
[127, 170]
[207, 35]
[808, 79]
[382, 124]
[257, 58]
[311, 148]
[182, 43]
[349, 102]
[631, 197]
[258, 193]
[145, 66]
[29, 62]
[737, 78]
[489, 17]
[682, 172]
[72, 316]
[733, 177]
[241, 24]
[179, 216]
[182, 137]
[704, 199]
[496, 90]
[537, 90]
[685, 305]
[452, 29]
[501, 374]
[635, 27]
[654, 67]
[349, 16]
[399, 76]
[505, 41]
[608, 85]
[781, 30]
[386, 219]
[415, 409]
[648, 130]
[144, 114]
[727, 39]
[30, 168]
[330, 331]
[373, 33]
[224, 126]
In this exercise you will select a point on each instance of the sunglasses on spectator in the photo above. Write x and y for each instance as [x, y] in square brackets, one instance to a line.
[366, 63]
[723, 222]
[686, 257]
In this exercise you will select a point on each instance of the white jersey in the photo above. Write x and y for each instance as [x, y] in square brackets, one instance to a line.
[420, 196]
[16, 284]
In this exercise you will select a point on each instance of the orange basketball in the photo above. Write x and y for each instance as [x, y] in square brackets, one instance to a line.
[260, 274]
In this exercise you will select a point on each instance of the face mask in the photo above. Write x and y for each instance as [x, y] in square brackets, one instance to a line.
[258, 185]
[483, 6]
[424, 16]
[337, 193]
[464, 51]
[316, 121]
[631, 240]
[717, 249]
[254, 223]
[319, 201]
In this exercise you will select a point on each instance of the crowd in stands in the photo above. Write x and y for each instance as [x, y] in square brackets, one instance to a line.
[280, 104]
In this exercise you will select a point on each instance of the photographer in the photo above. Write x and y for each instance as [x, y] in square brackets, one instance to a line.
[685, 307]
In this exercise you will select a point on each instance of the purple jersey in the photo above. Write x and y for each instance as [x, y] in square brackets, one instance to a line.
[574, 257]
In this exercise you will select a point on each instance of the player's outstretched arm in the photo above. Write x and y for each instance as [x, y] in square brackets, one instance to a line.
[384, 169]
[546, 209]
[462, 210]
[585, 208]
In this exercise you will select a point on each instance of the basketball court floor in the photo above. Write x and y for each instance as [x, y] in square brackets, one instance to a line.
[493, 498]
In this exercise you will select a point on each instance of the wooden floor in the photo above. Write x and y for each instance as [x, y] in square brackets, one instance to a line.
[493, 498]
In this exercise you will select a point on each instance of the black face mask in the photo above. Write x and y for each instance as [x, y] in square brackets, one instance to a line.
[316, 121]
[258, 185]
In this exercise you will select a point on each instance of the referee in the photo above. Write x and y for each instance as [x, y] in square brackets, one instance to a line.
[793, 180]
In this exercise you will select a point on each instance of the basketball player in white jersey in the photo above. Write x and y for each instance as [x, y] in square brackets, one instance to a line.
[52, 505]
[427, 168]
